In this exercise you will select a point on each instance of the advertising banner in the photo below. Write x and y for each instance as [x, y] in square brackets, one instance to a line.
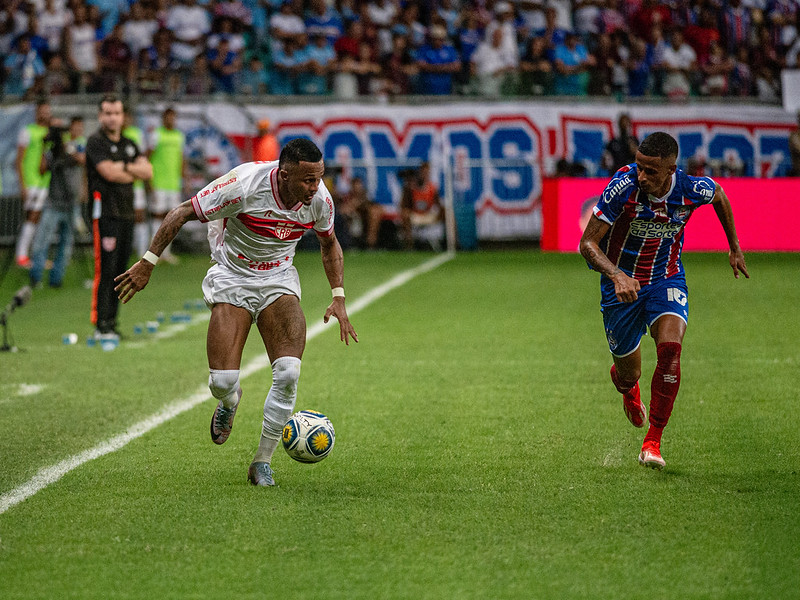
[758, 209]
[496, 154]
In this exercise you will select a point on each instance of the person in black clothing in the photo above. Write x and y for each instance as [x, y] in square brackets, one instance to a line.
[621, 150]
[113, 163]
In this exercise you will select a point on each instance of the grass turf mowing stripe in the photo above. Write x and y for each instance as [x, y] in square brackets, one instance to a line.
[51, 474]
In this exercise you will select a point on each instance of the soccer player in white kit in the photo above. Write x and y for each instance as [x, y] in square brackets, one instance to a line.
[257, 213]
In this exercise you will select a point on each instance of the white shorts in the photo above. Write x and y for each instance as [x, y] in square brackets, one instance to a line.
[35, 197]
[164, 201]
[139, 198]
[254, 294]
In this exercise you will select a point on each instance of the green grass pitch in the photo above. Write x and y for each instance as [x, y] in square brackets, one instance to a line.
[481, 450]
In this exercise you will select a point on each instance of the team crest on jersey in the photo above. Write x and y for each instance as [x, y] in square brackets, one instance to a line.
[682, 213]
[130, 151]
[283, 231]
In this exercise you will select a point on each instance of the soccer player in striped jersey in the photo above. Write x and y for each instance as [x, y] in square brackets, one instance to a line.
[634, 239]
[257, 214]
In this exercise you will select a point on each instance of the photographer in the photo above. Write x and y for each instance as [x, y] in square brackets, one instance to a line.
[64, 157]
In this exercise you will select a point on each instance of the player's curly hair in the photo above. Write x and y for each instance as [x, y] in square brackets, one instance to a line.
[659, 144]
[299, 150]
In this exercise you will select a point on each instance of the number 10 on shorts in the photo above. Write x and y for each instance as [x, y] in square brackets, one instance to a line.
[676, 295]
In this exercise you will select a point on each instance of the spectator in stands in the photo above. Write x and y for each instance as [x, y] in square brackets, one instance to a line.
[468, 37]
[491, 65]
[536, 76]
[157, 71]
[198, 81]
[621, 150]
[321, 59]
[117, 70]
[226, 28]
[703, 34]
[408, 22]
[367, 71]
[381, 12]
[716, 70]
[287, 61]
[286, 24]
[399, 69]
[253, 81]
[639, 69]
[81, 49]
[741, 79]
[24, 69]
[325, 20]
[421, 210]
[189, 24]
[572, 63]
[553, 35]
[348, 43]
[52, 23]
[531, 12]
[447, 11]
[438, 62]
[679, 64]
[110, 12]
[736, 25]
[139, 28]
[504, 21]
[611, 18]
[563, 10]
[234, 11]
[587, 18]
[650, 13]
[223, 65]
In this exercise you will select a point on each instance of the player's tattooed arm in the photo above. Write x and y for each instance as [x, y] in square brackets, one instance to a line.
[135, 279]
[175, 219]
[626, 288]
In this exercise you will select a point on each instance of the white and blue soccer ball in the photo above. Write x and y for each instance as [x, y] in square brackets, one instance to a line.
[308, 436]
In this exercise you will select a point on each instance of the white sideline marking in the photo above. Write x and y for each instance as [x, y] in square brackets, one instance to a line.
[53, 473]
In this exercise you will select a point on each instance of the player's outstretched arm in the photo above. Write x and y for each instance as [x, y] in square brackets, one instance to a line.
[722, 206]
[626, 288]
[135, 279]
[333, 262]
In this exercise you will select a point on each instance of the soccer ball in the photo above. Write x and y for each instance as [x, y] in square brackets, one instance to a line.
[308, 436]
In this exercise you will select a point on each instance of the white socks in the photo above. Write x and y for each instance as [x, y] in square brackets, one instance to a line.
[25, 238]
[279, 405]
[224, 386]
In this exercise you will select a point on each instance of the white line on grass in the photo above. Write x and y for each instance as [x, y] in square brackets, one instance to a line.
[53, 473]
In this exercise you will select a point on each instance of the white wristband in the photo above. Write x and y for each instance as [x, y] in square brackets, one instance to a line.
[150, 257]
[337, 292]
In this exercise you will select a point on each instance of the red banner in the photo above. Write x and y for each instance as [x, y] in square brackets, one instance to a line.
[761, 208]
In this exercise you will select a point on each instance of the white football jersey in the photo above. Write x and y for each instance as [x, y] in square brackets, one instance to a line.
[251, 231]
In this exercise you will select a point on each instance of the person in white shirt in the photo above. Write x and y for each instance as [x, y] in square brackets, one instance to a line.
[679, 62]
[189, 24]
[490, 64]
[257, 213]
[139, 29]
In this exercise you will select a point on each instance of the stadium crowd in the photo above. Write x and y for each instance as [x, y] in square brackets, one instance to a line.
[384, 48]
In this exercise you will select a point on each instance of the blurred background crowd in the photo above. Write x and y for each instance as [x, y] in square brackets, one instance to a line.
[384, 48]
